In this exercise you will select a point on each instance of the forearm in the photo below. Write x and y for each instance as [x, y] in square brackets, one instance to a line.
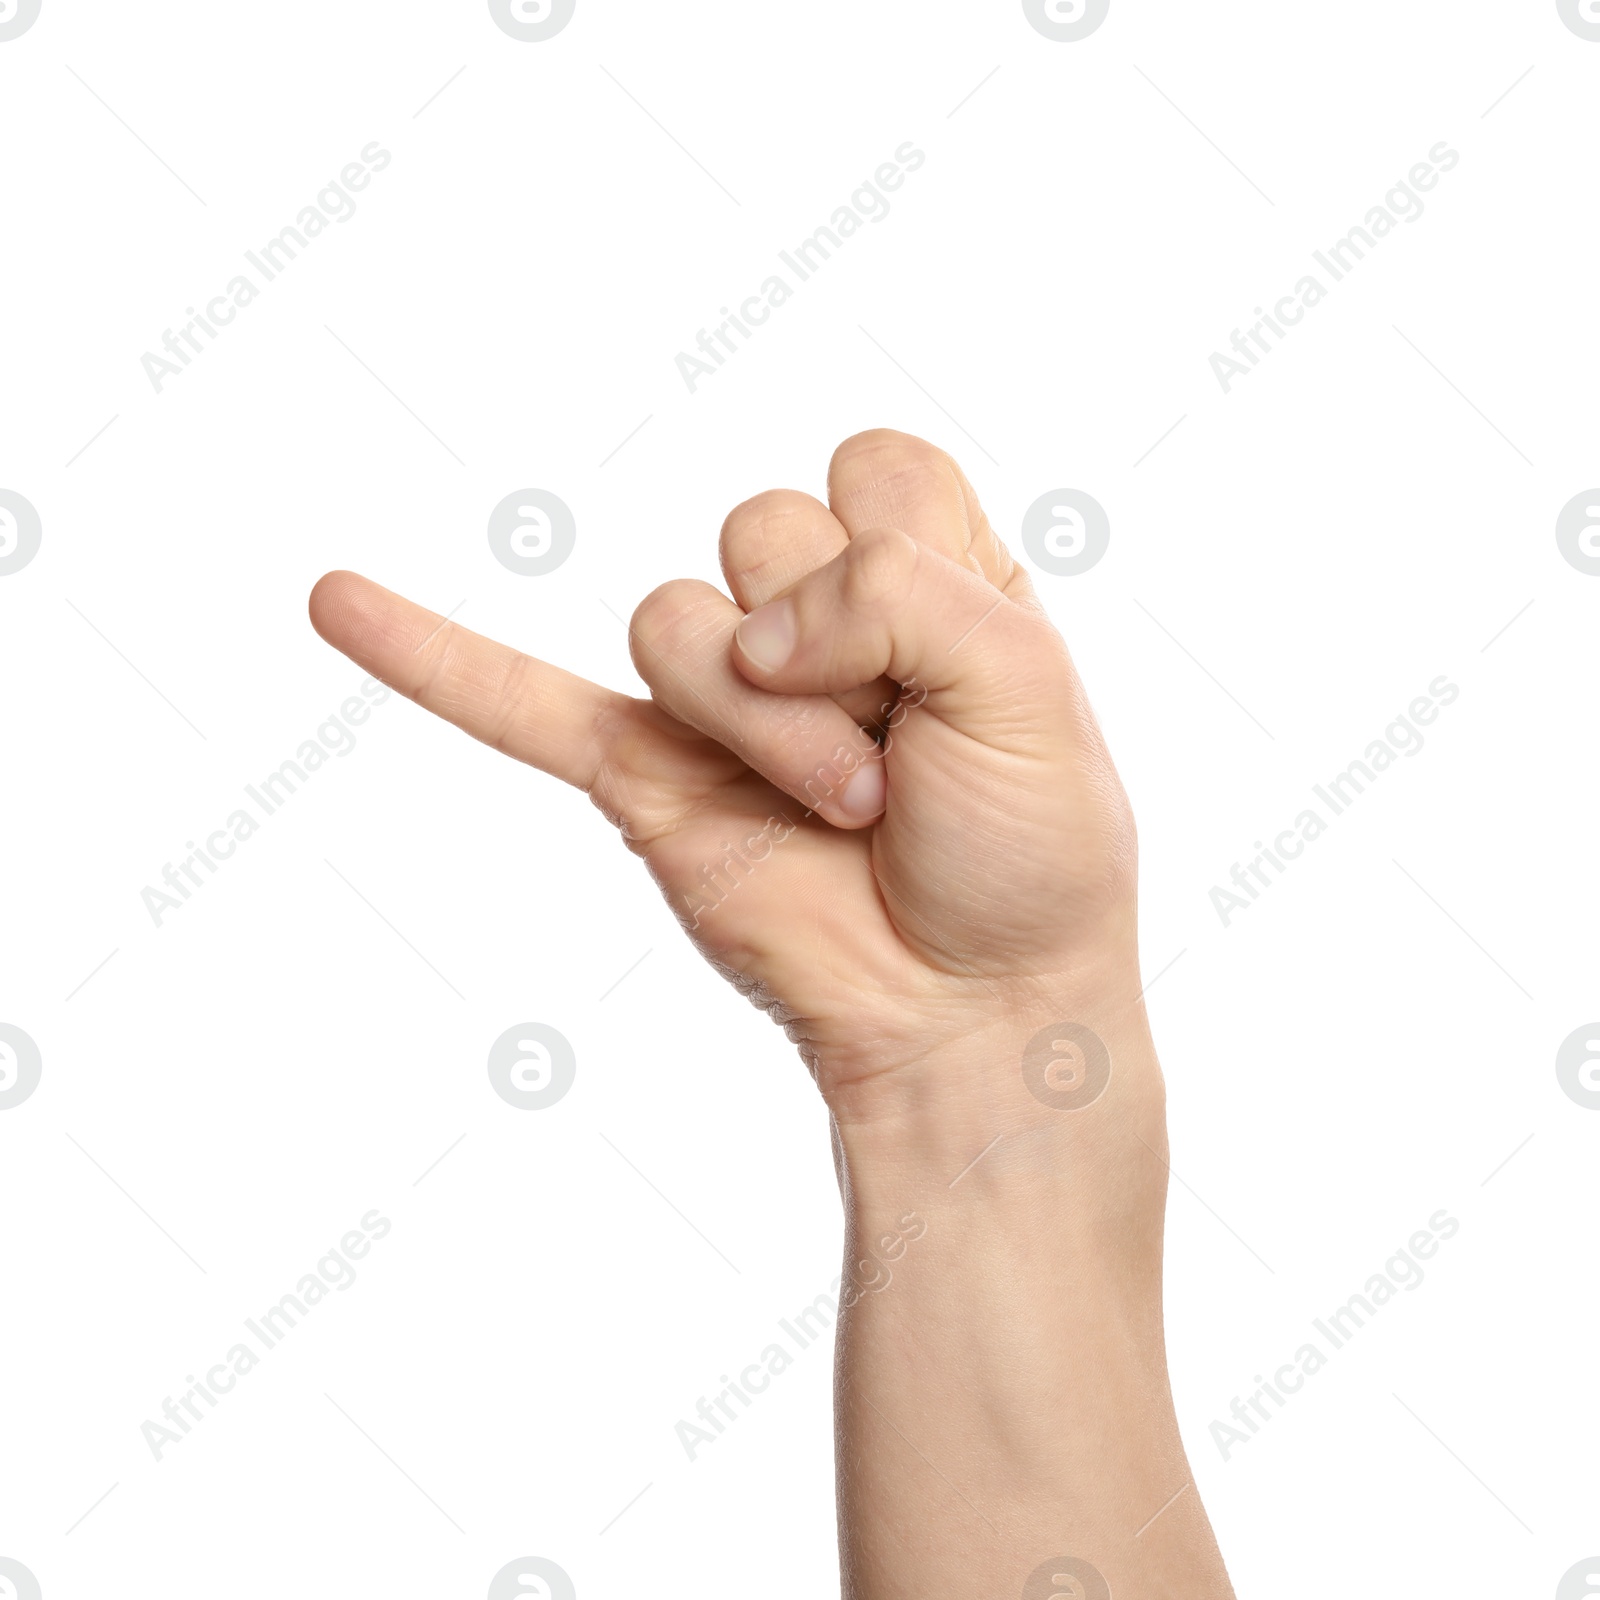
[1002, 1393]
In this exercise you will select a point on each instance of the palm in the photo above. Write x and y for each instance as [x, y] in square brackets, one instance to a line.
[786, 906]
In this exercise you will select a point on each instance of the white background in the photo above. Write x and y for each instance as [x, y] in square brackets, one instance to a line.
[229, 1093]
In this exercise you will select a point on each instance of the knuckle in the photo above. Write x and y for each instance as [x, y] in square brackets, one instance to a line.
[896, 466]
[763, 533]
[753, 522]
[881, 451]
[508, 710]
[434, 661]
[666, 620]
[879, 568]
[993, 558]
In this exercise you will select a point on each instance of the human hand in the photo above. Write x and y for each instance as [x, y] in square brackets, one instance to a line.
[964, 865]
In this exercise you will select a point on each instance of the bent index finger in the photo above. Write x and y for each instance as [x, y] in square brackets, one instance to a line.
[549, 718]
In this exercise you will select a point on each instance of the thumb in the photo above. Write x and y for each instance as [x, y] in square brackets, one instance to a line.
[889, 605]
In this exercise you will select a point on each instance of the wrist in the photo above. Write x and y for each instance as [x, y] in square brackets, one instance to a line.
[971, 1178]
[1041, 1066]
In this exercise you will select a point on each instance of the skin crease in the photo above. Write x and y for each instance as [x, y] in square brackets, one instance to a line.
[914, 904]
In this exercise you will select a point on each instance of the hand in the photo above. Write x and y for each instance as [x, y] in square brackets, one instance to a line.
[869, 784]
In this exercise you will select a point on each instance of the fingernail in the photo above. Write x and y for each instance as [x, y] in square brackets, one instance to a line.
[767, 635]
[863, 795]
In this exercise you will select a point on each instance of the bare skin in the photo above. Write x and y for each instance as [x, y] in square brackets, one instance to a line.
[940, 911]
